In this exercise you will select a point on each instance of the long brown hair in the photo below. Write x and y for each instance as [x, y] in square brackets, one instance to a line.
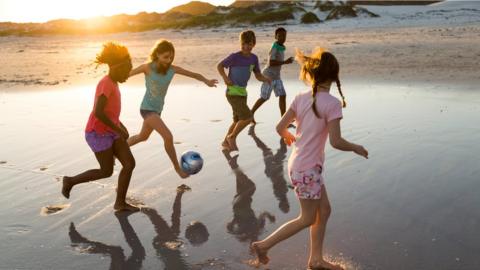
[320, 67]
[160, 47]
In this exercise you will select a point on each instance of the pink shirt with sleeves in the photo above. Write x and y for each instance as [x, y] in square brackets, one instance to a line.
[312, 132]
[110, 90]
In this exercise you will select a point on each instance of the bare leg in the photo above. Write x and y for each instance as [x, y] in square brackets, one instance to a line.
[124, 155]
[317, 235]
[225, 145]
[155, 122]
[142, 136]
[257, 105]
[282, 104]
[306, 218]
[232, 137]
[104, 158]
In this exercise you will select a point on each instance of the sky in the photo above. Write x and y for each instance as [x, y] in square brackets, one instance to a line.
[45, 10]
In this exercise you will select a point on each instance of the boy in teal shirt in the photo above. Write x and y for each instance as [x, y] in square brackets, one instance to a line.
[276, 60]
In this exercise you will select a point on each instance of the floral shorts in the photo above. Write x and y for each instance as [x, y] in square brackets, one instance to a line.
[308, 183]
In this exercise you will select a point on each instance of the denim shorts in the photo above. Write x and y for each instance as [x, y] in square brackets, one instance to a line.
[146, 113]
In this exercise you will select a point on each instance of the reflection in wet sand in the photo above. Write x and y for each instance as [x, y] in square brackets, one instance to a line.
[167, 242]
[245, 225]
[116, 254]
[274, 169]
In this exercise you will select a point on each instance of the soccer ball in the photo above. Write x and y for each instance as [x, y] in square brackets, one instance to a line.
[191, 162]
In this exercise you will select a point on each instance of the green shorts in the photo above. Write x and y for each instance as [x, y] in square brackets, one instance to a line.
[239, 107]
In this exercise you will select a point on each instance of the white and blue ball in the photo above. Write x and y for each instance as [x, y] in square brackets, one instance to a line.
[191, 162]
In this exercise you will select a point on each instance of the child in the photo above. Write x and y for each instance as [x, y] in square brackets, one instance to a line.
[159, 73]
[277, 54]
[105, 134]
[318, 115]
[240, 65]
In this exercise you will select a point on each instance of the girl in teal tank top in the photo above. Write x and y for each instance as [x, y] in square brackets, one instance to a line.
[159, 73]
[157, 86]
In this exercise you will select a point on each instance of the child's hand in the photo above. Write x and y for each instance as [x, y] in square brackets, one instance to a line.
[361, 151]
[289, 60]
[288, 138]
[123, 132]
[211, 83]
[181, 173]
[268, 80]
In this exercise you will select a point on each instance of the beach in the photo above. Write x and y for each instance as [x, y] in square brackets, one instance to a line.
[411, 87]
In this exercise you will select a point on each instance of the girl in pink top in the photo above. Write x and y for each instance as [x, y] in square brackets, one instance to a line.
[104, 133]
[318, 116]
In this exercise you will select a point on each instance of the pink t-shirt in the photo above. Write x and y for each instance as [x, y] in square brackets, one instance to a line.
[312, 132]
[110, 90]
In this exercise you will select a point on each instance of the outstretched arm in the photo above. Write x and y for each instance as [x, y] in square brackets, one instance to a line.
[337, 142]
[140, 69]
[262, 78]
[273, 62]
[197, 76]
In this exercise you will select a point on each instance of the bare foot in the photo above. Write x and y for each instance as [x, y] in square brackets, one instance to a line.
[232, 143]
[260, 253]
[66, 187]
[182, 174]
[125, 207]
[324, 265]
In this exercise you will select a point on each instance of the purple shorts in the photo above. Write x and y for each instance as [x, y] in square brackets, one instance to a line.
[308, 184]
[100, 142]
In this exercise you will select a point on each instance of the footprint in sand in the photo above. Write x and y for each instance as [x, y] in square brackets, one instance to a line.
[53, 209]
[3, 162]
[18, 229]
[215, 120]
[183, 188]
[178, 142]
[43, 168]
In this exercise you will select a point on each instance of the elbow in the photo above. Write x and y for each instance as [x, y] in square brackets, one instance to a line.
[335, 143]
[279, 130]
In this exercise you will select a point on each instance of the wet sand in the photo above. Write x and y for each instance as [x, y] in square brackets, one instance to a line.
[413, 204]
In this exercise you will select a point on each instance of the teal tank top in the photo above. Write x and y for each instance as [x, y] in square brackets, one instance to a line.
[157, 86]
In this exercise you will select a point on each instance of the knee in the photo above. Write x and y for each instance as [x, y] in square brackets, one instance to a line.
[106, 172]
[168, 138]
[325, 211]
[129, 165]
[307, 221]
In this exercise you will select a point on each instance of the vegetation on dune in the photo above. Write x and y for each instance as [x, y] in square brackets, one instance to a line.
[309, 17]
[195, 14]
